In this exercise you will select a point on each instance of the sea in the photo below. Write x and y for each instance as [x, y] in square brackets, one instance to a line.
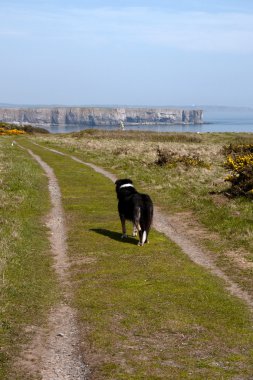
[216, 119]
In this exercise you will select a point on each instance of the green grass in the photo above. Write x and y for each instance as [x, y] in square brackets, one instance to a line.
[27, 283]
[226, 223]
[145, 313]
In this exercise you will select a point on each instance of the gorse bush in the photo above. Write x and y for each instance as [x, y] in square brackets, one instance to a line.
[172, 159]
[238, 149]
[239, 160]
[15, 129]
[11, 132]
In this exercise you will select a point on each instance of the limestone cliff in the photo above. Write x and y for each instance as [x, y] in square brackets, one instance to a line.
[99, 116]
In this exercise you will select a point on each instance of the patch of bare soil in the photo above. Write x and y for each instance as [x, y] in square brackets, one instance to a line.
[240, 259]
[54, 352]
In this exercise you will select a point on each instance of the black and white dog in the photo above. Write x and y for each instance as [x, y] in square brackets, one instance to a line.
[136, 207]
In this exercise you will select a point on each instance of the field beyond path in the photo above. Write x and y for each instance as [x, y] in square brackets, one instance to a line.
[145, 312]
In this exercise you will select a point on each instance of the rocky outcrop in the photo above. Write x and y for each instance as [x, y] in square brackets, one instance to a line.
[99, 116]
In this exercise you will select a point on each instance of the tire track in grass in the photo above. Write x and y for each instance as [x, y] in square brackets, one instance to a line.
[55, 349]
[161, 224]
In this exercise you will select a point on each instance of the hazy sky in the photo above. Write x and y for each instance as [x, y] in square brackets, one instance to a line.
[127, 52]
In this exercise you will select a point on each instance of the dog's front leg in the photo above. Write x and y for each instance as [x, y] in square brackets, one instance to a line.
[123, 224]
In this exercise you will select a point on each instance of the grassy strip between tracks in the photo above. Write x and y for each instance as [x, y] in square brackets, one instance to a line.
[144, 313]
[27, 284]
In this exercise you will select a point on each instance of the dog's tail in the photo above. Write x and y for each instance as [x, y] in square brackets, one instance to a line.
[146, 218]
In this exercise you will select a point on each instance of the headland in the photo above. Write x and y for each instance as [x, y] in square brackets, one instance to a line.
[100, 116]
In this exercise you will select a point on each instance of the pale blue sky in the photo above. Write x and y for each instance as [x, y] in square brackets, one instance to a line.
[132, 52]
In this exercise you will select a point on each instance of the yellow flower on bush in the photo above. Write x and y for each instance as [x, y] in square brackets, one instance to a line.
[239, 161]
[10, 132]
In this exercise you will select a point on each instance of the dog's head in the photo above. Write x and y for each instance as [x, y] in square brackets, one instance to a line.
[123, 183]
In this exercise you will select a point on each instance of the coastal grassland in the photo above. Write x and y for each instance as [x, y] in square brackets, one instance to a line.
[27, 283]
[192, 191]
[144, 312]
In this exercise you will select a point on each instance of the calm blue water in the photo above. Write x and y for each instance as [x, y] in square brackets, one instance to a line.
[216, 121]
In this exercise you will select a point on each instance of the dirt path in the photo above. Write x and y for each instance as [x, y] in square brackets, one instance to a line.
[54, 352]
[172, 231]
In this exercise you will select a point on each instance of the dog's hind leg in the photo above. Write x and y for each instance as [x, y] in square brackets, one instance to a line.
[137, 226]
[142, 237]
[135, 230]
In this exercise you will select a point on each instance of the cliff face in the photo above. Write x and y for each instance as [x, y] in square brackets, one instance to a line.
[100, 116]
